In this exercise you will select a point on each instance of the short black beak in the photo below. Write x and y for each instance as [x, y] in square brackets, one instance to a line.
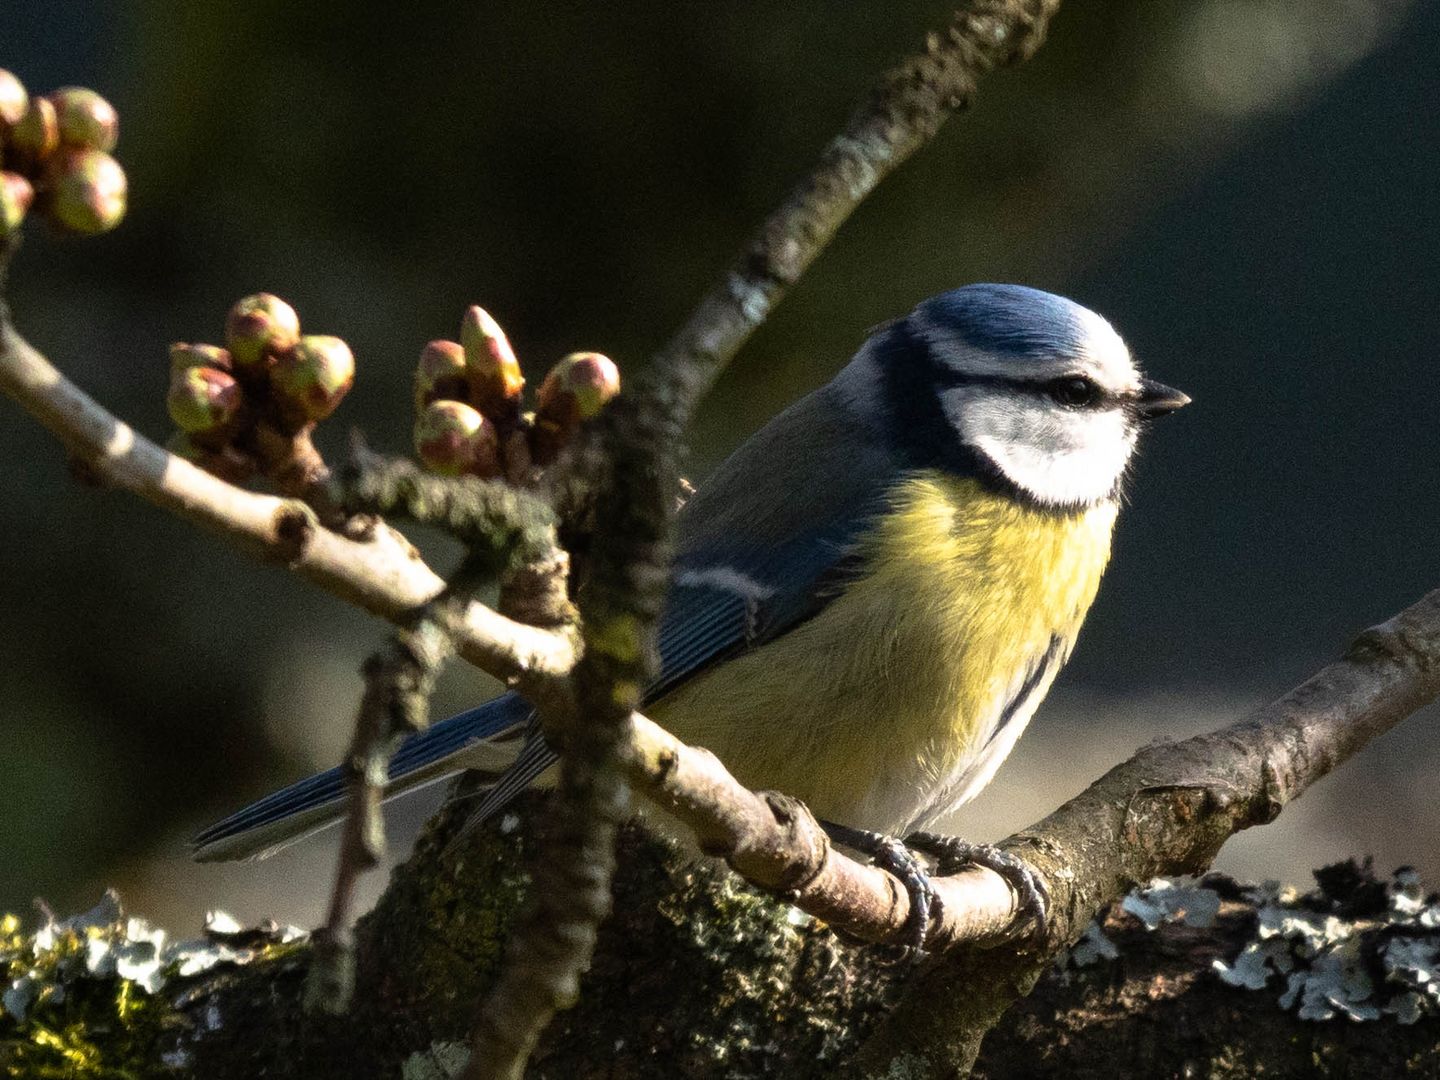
[1157, 399]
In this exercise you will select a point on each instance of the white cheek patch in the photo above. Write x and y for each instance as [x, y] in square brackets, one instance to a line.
[1061, 457]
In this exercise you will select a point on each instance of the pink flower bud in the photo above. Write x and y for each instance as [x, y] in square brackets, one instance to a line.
[454, 439]
[314, 375]
[439, 374]
[85, 119]
[258, 328]
[495, 379]
[16, 195]
[574, 390]
[36, 135]
[13, 99]
[183, 355]
[203, 400]
[87, 191]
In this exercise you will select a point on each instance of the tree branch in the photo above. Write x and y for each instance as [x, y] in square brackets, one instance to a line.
[1166, 811]
[380, 572]
[904, 112]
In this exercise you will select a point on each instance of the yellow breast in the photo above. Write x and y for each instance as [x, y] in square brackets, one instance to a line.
[885, 705]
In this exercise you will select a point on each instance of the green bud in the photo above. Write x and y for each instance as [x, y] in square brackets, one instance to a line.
[258, 328]
[85, 119]
[454, 439]
[440, 373]
[87, 191]
[574, 390]
[184, 356]
[36, 135]
[203, 400]
[314, 375]
[16, 195]
[591, 379]
[495, 379]
[13, 99]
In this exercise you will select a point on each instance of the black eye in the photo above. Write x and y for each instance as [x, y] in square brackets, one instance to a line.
[1073, 391]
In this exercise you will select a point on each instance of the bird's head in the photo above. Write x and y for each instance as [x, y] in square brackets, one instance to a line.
[1022, 385]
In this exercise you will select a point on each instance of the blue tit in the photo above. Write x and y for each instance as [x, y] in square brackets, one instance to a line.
[873, 594]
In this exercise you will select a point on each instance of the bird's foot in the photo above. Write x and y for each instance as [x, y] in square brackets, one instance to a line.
[952, 854]
[891, 854]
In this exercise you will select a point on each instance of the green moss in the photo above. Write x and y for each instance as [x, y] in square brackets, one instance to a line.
[62, 1020]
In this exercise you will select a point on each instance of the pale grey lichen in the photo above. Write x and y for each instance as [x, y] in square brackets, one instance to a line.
[1092, 947]
[1362, 949]
[1329, 958]
[1166, 900]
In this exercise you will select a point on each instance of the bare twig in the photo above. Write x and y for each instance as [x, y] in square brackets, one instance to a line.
[904, 111]
[381, 572]
[399, 679]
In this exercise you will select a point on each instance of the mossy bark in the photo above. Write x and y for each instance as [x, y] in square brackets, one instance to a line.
[696, 975]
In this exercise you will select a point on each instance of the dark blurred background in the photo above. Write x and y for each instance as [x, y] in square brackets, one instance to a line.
[1247, 188]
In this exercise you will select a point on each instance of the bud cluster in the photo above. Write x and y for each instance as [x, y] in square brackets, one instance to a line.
[470, 418]
[250, 407]
[55, 159]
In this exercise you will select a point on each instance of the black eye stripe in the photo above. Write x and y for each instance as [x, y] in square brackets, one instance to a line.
[1052, 388]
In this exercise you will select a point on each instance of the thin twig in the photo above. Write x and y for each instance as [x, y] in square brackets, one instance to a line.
[380, 572]
[399, 679]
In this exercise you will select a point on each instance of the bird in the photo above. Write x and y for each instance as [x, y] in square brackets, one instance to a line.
[872, 595]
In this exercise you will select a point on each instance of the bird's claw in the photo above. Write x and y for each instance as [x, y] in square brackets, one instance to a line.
[953, 853]
[892, 855]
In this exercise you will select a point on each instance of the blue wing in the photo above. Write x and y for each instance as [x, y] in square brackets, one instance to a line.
[765, 544]
[309, 804]
[715, 609]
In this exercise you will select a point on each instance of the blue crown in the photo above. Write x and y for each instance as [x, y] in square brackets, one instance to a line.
[1011, 320]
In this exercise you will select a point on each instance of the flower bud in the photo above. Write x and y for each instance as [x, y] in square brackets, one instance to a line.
[13, 99]
[314, 375]
[203, 400]
[226, 462]
[36, 135]
[87, 191]
[16, 195]
[183, 355]
[453, 439]
[575, 390]
[440, 374]
[258, 328]
[495, 379]
[85, 119]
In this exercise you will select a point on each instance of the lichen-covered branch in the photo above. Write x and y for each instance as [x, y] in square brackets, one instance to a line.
[1166, 811]
[379, 571]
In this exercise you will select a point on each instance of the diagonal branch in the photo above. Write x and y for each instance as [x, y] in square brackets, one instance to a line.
[1166, 811]
[380, 572]
[903, 113]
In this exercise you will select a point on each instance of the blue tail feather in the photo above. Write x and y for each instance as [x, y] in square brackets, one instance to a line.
[302, 800]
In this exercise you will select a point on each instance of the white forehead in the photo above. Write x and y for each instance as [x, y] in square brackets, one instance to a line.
[1014, 332]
